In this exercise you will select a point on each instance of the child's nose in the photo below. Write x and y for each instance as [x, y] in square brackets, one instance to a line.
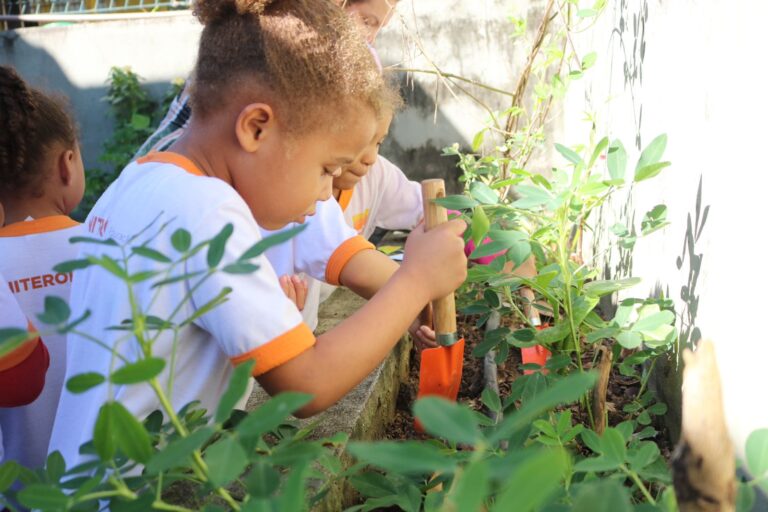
[369, 158]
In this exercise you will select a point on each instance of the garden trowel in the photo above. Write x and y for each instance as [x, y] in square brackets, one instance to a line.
[440, 372]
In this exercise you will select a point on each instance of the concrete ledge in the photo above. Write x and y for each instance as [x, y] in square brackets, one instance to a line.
[365, 412]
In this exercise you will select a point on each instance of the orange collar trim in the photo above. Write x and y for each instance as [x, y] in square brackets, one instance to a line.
[169, 157]
[345, 197]
[41, 225]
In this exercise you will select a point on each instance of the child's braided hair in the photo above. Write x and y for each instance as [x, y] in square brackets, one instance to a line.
[304, 56]
[30, 123]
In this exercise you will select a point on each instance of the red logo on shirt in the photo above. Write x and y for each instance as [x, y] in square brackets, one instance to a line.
[26, 284]
[98, 225]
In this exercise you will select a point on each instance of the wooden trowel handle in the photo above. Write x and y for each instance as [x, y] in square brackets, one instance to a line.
[444, 309]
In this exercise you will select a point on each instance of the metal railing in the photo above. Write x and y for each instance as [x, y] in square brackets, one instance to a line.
[19, 13]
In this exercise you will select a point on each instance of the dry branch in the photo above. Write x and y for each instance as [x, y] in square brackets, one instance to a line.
[601, 389]
[703, 463]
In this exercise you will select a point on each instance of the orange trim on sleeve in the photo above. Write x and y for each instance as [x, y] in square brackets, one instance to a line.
[341, 257]
[279, 350]
[345, 196]
[19, 355]
[35, 226]
[169, 157]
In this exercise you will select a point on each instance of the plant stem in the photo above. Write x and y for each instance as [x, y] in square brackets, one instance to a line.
[454, 77]
[647, 377]
[161, 505]
[200, 467]
[636, 479]
[125, 493]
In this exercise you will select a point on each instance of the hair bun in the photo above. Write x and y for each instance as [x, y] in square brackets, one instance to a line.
[212, 11]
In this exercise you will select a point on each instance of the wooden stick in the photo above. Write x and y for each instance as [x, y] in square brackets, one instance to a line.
[444, 309]
[601, 390]
[703, 463]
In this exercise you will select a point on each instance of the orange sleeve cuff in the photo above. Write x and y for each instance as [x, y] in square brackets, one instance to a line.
[341, 257]
[279, 350]
[18, 356]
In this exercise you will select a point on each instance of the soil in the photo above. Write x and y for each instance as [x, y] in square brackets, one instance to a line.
[621, 390]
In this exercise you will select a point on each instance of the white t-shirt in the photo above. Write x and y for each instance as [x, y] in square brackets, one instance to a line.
[28, 252]
[384, 198]
[256, 322]
[308, 253]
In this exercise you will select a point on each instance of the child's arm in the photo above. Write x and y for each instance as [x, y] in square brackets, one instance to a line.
[434, 266]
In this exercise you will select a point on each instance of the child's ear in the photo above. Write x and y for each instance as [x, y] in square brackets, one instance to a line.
[255, 122]
[67, 166]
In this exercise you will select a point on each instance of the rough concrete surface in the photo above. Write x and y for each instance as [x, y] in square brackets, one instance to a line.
[366, 410]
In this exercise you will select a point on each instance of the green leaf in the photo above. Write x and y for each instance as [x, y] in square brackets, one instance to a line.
[140, 121]
[629, 339]
[9, 472]
[745, 498]
[483, 193]
[652, 153]
[644, 454]
[218, 245]
[598, 151]
[278, 238]
[240, 268]
[477, 141]
[595, 464]
[447, 419]
[110, 265]
[238, 385]
[602, 496]
[43, 497]
[592, 441]
[757, 453]
[131, 437]
[140, 371]
[262, 480]
[480, 225]
[649, 171]
[293, 496]
[456, 202]
[488, 249]
[470, 488]
[152, 254]
[531, 197]
[84, 381]
[90, 240]
[226, 461]
[569, 154]
[604, 287]
[649, 325]
[553, 334]
[56, 311]
[55, 466]
[617, 160]
[268, 416]
[565, 390]
[491, 400]
[533, 481]
[654, 220]
[372, 484]
[11, 339]
[176, 279]
[72, 265]
[587, 62]
[402, 457]
[103, 433]
[614, 446]
[177, 451]
[181, 240]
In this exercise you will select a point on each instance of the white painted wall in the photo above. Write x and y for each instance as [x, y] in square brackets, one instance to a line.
[699, 81]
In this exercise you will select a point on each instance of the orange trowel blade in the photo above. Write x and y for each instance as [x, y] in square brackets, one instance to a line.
[440, 371]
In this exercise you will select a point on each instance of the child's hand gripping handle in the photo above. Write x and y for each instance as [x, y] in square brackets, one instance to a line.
[443, 309]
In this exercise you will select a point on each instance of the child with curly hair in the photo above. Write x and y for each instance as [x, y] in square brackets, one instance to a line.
[41, 182]
[285, 93]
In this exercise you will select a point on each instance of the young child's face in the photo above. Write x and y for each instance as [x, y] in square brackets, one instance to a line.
[353, 173]
[299, 172]
[371, 16]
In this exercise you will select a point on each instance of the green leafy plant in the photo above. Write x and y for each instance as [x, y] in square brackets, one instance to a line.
[186, 459]
[135, 116]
